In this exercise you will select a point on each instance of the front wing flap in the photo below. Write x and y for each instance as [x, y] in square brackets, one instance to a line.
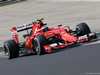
[81, 39]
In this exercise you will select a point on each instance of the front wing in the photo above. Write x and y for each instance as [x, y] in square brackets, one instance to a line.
[81, 39]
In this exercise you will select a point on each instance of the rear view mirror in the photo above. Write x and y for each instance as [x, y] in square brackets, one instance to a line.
[59, 25]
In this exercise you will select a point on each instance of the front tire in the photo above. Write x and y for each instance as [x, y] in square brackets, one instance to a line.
[82, 29]
[11, 49]
[39, 42]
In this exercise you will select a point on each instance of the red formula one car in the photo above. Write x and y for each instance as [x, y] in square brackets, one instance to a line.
[43, 39]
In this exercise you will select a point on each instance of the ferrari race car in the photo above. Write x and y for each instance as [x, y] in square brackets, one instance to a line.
[43, 39]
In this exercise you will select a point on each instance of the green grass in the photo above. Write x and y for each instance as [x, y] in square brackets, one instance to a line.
[12, 3]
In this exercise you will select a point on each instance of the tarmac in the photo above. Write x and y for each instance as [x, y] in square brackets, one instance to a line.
[79, 60]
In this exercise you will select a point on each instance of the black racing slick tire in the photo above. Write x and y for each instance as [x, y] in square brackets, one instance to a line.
[11, 49]
[82, 29]
[39, 42]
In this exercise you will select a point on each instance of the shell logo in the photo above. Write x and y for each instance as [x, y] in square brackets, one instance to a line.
[45, 35]
[28, 44]
[33, 30]
[66, 34]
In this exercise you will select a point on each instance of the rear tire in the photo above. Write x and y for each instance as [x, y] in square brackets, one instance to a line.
[11, 49]
[39, 42]
[82, 29]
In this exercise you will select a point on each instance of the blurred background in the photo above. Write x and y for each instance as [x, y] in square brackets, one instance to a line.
[65, 12]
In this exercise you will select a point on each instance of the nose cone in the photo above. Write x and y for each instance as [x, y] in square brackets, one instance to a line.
[72, 39]
[69, 38]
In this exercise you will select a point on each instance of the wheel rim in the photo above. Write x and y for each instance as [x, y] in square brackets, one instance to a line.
[78, 30]
[37, 47]
[6, 50]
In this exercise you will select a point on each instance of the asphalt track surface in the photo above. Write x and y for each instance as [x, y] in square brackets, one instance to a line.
[73, 60]
[79, 60]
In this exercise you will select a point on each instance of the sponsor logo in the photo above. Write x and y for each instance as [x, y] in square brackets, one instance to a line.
[29, 25]
[83, 37]
[20, 26]
[45, 35]
[14, 33]
[47, 48]
[28, 44]
[49, 33]
[91, 34]
[24, 26]
[66, 34]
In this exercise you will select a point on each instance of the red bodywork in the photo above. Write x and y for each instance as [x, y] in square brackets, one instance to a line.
[36, 30]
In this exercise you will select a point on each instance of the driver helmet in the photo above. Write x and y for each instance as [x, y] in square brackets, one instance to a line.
[45, 28]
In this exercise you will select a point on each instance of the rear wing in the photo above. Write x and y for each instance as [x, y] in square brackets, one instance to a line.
[20, 28]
